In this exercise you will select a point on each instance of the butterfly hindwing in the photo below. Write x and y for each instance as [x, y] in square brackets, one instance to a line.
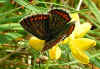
[69, 28]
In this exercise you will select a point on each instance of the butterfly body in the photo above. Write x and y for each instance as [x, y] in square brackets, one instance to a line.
[51, 27]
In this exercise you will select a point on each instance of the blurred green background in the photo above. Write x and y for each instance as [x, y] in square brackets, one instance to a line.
[14, 50]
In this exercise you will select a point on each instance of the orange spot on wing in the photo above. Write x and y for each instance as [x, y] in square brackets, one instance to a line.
[31, 19]
[63, 15]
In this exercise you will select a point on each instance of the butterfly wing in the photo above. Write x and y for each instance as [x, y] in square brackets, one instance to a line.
[58, 20]
[58, 27]
[66, 33]
[36, 25]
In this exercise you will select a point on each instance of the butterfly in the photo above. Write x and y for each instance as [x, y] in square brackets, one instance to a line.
[51, 27]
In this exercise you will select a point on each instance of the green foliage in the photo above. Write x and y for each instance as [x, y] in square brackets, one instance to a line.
[95, 61]
[92, 7]
[13, 36]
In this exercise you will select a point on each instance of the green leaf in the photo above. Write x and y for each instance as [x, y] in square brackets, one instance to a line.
[10, 26]
[95, 61]
[5, 39]
[2, 1]
[8, 37]
[91, 19]
[14, 35]
[92, 7]
[11, 19]
[27, 5]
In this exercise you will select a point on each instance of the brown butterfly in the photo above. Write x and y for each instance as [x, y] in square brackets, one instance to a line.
[51, 27]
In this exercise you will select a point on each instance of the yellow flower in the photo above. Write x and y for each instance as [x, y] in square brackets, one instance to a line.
[82, 43]
[75, 17]
[77, 44]
[55, 52]
[81, 30]
[36, 43]
[78, 47]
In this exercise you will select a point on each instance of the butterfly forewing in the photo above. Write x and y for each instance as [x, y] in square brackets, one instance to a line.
[36, 25]
[58, 20]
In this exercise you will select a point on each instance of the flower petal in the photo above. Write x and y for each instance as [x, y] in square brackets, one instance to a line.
[36, 43]
[79, 55]
[65, 41]
[55, 52]
[82, 30]
[78, 46]
[75, 17]
[82, 43]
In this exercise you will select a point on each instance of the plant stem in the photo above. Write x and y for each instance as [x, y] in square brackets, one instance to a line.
[79, 4]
